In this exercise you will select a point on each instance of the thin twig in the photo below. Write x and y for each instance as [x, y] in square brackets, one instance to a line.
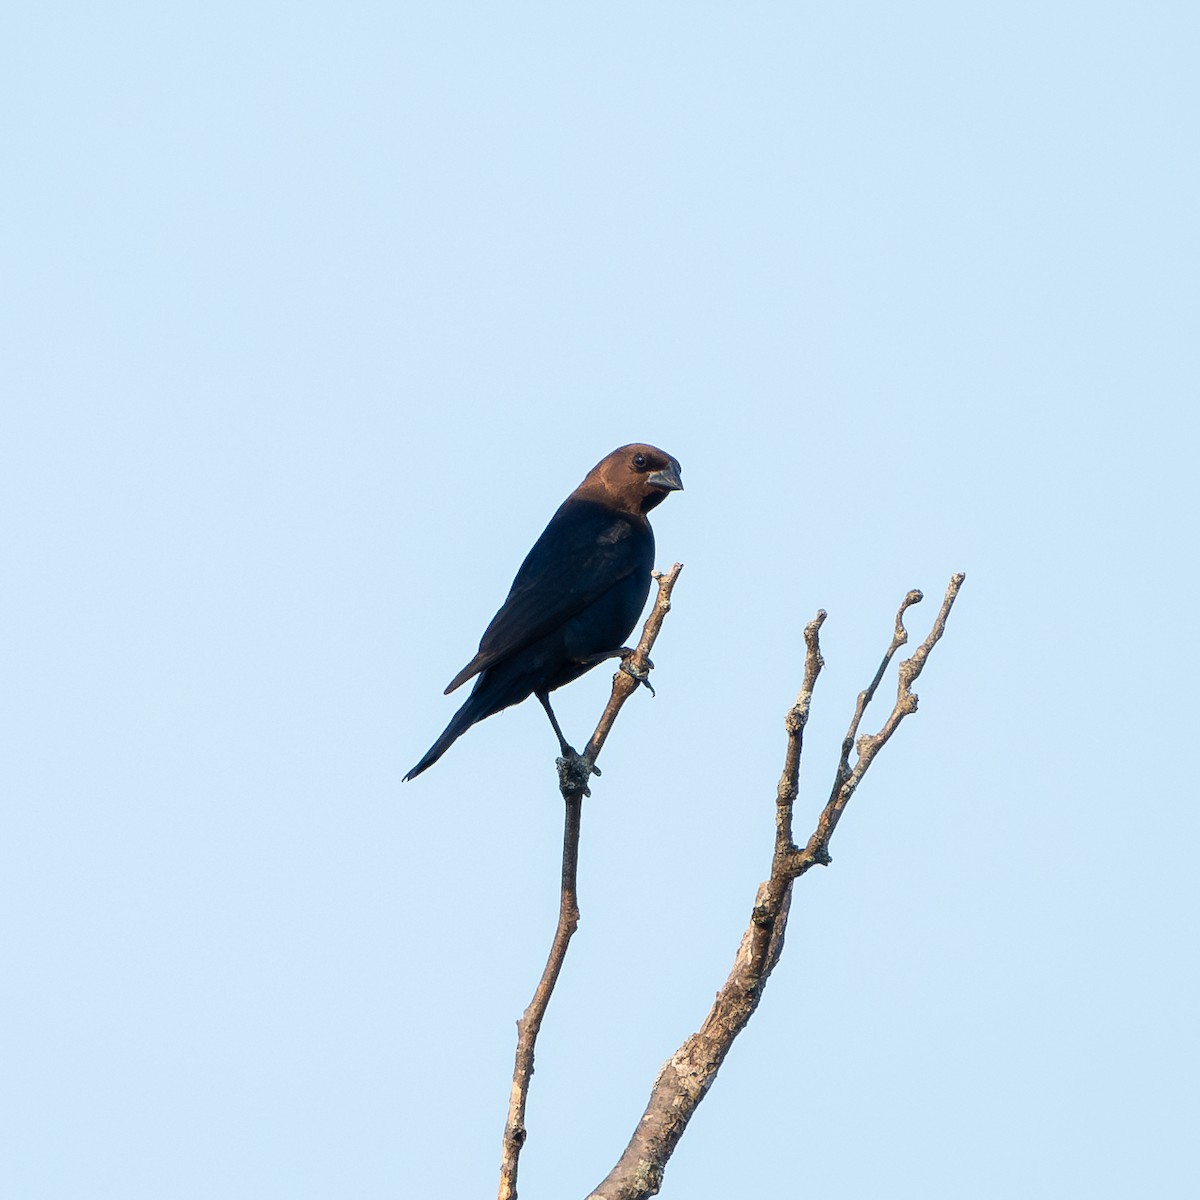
[625, 681]
[866, 747]
[530, 1023]
[688, 1074]
[573, 775]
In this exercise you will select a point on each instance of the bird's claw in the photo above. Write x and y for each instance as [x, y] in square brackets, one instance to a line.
[574, 770]
[637, 675]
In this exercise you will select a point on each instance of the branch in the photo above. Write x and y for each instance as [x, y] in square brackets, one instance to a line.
[573, 774]
[688, 1074]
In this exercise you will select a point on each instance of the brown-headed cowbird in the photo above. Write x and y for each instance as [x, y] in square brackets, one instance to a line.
[577, 596]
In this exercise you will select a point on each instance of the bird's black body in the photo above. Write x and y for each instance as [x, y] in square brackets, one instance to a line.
[578, 593]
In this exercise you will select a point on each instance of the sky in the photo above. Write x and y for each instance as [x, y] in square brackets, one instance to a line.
[313, 314]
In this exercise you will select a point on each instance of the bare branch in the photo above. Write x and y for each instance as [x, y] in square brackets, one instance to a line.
[688, 1074]
[636, 669]
[794, 723]
[866, 747]
[573, 774]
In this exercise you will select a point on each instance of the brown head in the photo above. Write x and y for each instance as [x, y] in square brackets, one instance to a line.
[632, 479]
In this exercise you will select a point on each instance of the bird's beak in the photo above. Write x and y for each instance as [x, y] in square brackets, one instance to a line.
[667, 479]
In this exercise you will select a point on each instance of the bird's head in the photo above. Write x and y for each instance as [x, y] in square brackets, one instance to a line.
[634, 478]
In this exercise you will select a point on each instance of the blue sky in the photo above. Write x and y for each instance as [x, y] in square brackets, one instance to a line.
[313, 315]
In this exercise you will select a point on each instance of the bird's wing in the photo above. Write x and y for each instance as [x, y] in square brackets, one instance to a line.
[585, 550]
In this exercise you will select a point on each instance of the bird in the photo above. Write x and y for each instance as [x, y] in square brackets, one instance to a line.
[575, 598]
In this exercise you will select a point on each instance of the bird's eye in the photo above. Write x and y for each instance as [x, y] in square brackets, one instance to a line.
[639, 461]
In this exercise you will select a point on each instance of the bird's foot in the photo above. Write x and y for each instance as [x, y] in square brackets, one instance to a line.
[639, 676]
[574, 771]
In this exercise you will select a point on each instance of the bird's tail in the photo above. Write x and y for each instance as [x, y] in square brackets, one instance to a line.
[493, 691]
[459, 724]
[496, 689]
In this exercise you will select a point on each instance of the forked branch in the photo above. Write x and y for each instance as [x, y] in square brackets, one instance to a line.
[688, 1074]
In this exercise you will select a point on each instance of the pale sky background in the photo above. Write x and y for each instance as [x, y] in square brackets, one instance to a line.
[314, 314]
